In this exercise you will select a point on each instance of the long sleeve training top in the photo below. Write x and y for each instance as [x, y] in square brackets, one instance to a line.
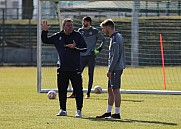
[116, 60]
[69, 58]
[91, 36]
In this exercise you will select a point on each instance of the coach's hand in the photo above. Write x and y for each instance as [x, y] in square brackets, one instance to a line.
[71, 45]
[45, 26]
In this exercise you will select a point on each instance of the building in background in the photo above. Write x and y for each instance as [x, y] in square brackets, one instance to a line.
[9, 8]
[12, 9]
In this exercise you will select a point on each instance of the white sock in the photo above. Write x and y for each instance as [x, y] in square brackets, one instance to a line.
[117, 110]
[109, 109]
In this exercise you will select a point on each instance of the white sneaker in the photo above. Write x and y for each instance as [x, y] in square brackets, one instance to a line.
[62, 113]
[78, 113]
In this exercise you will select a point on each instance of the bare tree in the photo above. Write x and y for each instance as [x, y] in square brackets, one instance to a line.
[27, 9]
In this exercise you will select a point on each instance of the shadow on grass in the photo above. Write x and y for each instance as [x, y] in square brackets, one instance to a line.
[121, 100]
[132, 121]
[133, 100]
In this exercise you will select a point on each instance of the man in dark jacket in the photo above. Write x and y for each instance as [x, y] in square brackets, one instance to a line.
[68, 44]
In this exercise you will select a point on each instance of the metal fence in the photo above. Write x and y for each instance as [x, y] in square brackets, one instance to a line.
[18, 38]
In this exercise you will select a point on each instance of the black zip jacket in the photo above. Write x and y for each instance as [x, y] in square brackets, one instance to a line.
[69, 58]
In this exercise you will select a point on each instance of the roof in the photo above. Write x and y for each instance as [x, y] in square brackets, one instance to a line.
[126, 5]
[106, 4]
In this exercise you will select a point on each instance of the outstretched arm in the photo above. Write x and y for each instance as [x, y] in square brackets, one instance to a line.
[44, 34]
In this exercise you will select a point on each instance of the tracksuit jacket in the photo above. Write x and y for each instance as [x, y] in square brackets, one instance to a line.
[116, 60]
[69, 58]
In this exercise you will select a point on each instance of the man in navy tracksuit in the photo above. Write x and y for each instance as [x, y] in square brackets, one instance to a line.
[68, 44]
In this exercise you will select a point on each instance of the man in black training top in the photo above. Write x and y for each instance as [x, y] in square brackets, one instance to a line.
[68, 44]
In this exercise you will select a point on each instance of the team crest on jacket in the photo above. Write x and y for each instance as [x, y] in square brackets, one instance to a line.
[82, 32]
[60, 38]
[90, 33]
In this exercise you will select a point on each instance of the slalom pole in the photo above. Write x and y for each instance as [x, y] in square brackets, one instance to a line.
[163, 62]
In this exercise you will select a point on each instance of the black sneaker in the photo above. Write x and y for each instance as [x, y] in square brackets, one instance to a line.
[116, 116]
[104, 115]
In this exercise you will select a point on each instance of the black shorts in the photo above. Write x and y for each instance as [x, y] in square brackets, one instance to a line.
[115, 81]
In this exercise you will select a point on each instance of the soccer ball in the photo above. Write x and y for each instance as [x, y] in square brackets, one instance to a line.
[51, 94]
[97, 89]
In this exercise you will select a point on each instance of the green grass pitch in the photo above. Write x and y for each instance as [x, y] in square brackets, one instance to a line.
[21, 107]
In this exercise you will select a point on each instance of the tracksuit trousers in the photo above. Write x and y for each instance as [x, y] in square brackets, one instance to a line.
[63, 78]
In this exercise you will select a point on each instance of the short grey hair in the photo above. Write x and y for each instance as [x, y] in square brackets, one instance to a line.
[66, 20]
